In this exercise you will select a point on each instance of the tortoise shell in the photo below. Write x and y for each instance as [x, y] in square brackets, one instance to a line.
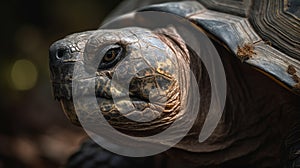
[262, 33]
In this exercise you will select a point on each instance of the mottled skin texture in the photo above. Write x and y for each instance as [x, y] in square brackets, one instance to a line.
[258, 115]
[260, 124]
[156, 67]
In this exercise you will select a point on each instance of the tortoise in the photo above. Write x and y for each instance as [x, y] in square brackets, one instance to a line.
[259, 44]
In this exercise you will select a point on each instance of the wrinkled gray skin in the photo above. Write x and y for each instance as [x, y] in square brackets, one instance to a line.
[258, 117]
[260, 123]
[258, 114]
[148, 64]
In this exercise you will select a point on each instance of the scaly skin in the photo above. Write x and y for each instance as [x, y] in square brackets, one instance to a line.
[256, 120]
[156, 66]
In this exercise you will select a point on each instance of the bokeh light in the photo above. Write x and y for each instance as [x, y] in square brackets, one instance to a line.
[34, 132]
[24, 74]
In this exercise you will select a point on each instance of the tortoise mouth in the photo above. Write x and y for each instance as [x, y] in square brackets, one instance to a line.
[62, 92]
[144, 115]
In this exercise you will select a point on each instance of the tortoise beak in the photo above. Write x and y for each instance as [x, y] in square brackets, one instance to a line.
[61, 70]
[63, 54]
[61, 63]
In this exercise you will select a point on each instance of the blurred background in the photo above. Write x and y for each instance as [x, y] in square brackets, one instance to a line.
[33, 130]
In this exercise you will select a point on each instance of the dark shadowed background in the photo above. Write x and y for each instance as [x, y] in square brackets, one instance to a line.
[33, 130]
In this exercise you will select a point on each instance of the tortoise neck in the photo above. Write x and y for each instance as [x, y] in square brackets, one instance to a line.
[249, 119]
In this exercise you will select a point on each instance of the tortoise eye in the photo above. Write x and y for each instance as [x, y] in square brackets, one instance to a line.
[111, 54]
[111, 57]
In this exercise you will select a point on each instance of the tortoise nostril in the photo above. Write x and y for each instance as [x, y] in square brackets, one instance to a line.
[60, 53]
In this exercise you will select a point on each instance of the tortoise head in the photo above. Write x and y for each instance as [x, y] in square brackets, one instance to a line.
[136, 75]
